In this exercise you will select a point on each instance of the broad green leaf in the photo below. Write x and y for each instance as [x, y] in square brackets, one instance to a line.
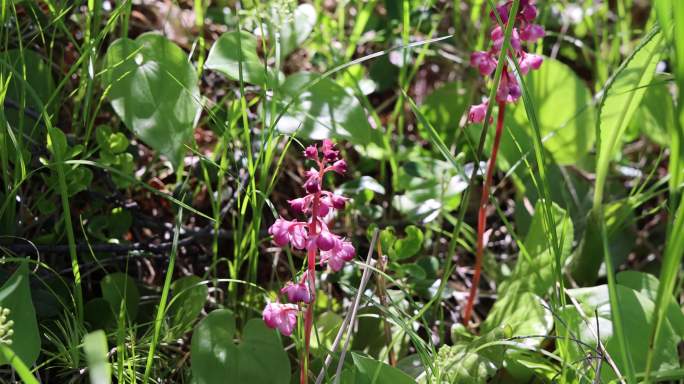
[293, 27]
[95, 348]
[35, 90]
[622, 97]
[408, 246]
[231, 48]
[216, 359]
[212, 352]
[99, 314]
[523, 313]
[637, 315]
[372, 371]
[323, 110]
[15, 295]
[154, 91]
[655, 116]
[443, 108]
[535, 268]
[119, 290]
[564, 113]
[647, 285]
[429, 188]
[188, 300]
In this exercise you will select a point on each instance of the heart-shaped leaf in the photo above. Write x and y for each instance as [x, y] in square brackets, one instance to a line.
[231, 48]
[121, 293]
[323, 110]
[188, 300]
[259, 358]
[154, 91]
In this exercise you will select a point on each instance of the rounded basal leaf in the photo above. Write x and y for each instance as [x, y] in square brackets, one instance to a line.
[212, 352]
[120, 289]
[231, 48]
[323, 110]
[259, 357]
[655, 116]
[293, 27]
[15, 295]
[154, 91]
[564, 111]
[32, 92]
[443, 108]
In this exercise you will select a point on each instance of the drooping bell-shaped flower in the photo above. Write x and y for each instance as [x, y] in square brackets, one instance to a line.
[477, 112]
[336, 257]
[282, 317]
[297, 292]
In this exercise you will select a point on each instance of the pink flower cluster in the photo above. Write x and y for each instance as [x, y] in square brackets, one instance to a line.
[312, 235]
[524, 30]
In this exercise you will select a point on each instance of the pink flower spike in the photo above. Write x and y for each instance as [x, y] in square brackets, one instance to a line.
[311, 152]
[280, 316]
[477, 112]
[530, 61]
[484, 62]
[340, 166]
[297, 292]
[532, 32]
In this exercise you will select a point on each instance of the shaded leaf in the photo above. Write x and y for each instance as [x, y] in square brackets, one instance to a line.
[231, 48]
[15, 295]
[120, 289]
[154, 91]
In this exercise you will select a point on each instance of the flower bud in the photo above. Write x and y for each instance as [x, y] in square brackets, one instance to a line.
[340, 166]
[311, 152]
[297, 292]
[338, 202]
[326, 241]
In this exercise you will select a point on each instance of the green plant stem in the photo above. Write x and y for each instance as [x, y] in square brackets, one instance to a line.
[161, 310]
[482, 215]
[19, 366]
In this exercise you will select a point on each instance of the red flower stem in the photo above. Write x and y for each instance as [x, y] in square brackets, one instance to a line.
[482, 216]
[311, 263]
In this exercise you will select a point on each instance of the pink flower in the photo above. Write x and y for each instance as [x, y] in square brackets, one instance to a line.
[340, 166]
[298, 292]
[326, 241]
[280, 316]
[503, 11]
[311, 152]
[285, 231]
[484, 62]
[336, 257]
[529, 12]
[328, 148]
[497, 36]
[300, 205]
[532, 32]
[477, 112]
[313, 181]
[530, 61]
[338, 202]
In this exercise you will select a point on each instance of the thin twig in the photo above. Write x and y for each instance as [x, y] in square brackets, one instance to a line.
[350, 315]
[602, 348]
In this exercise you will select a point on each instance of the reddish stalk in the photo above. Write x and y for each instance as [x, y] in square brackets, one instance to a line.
[311, 266]
[482, 216]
